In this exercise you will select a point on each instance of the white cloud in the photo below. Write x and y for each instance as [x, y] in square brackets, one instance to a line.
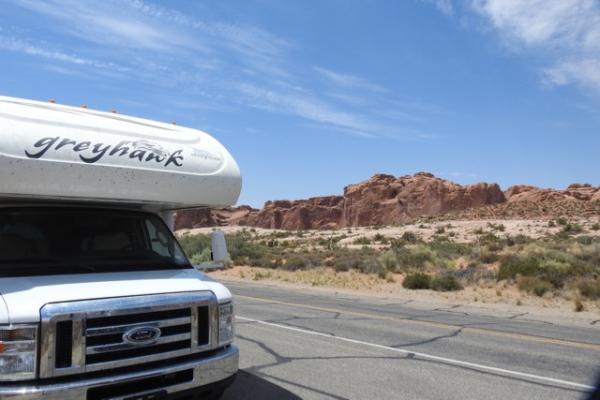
[260, 50]
[38, 50]
[107, 22]
[566, 31]
[349, 81]
[238, 66]
[309, 108]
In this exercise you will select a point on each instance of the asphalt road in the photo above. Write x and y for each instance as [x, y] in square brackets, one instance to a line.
[305, 345]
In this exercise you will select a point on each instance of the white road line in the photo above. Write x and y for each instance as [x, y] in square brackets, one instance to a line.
[424, 355]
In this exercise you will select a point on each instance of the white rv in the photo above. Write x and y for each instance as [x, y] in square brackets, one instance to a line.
[97, 299]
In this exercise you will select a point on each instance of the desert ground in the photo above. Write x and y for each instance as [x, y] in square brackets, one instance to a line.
[482, 291]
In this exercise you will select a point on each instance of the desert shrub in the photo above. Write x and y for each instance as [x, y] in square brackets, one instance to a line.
[407, 237]
[440, 230]
[204, 256]
[388, 261]
[338, 238]
[410, 237]
[297, 262]
[445, 283]
[517, 239]
[562, 221]
[415, 256]
[417, 281]
[596, 227]
[364, 260]
[446, 249]
[496, 227]
[488, 257]
[510, 267]
[279, 234]
[362, 240]
[578, 305]
[473, 273]
[380, 238]
[589, 288]
[495, 246]
[570, 229]
[489, 239]
[195, 244]
[555, 272]
[551, 224]
[535, 285]
[243, 250]
[585, 240]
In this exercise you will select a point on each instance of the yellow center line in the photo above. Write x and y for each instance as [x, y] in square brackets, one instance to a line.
[483, 331]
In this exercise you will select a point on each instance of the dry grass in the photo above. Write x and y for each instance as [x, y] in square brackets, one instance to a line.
[322, 276]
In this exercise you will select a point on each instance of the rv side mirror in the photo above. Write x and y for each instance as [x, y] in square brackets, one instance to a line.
[219, 247]
[219, 254]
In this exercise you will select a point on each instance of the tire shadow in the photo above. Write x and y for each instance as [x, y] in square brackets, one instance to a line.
[248, 386]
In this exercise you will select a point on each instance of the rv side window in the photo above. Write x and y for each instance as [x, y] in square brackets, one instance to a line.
[158, 241]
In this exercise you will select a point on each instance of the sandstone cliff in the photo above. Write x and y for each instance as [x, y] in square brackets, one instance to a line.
[387, 200]
[380, 200]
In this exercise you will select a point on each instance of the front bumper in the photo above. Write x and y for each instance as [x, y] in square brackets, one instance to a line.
[216, 368]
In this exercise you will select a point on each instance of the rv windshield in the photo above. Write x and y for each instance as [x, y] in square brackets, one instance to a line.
[53, 240]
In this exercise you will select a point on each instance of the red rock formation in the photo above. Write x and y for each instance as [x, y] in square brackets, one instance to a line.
[203, 217]
[575, 191]
[381, 200]
[384, 199]
[387, 200]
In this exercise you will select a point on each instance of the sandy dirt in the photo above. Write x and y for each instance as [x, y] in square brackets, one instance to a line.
[497, 298]
[461, 231]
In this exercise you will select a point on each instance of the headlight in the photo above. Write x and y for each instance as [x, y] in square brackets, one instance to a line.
[225, 323]
[17, 352]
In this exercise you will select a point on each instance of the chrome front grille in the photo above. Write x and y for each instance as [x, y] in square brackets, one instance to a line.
[95, 335]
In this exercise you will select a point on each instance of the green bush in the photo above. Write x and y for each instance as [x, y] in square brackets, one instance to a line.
[243, 250]
[570, 229]
[297, 262]
[204, 256]
[562, 221]
[446, 249]
[590, 288]
[388, 261]
[362, 240]
[515, 265]
[496, 227]
[445, 283]
[488, 257]
[194, 244]
[585, 239]
[417, 281]
[415, 256]
[517, 239]
[535, 285]
[380, 238]
[596, 227]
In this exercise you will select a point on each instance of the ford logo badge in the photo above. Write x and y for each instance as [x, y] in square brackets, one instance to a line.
[142, 335]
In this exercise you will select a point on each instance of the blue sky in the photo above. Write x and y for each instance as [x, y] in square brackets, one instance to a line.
[312, 95]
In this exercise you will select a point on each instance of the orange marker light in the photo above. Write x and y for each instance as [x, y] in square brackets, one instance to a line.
[1, 347]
